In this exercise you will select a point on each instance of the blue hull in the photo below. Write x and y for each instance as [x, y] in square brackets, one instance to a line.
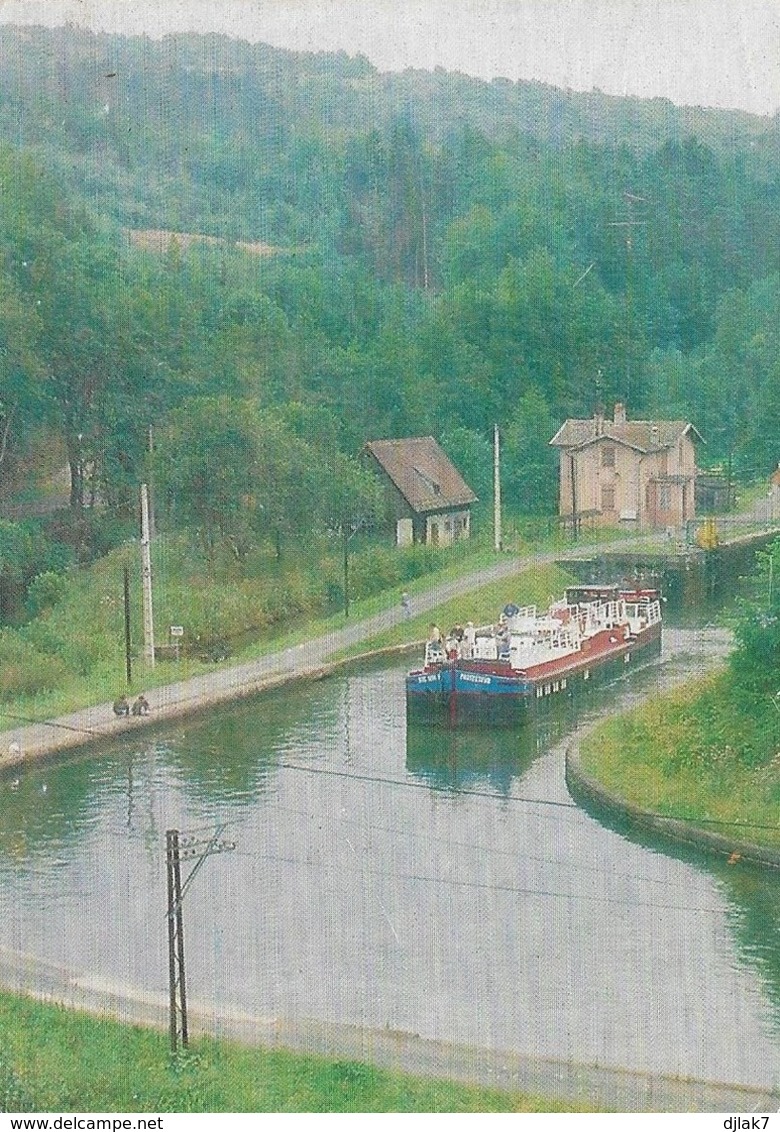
[452, 694]
[459, 696]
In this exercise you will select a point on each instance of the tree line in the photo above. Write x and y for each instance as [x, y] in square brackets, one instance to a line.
[421, 280]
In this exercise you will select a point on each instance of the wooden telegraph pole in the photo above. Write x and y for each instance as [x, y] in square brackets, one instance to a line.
[575, 519]
[146, 576]
[497, 534]
[128, 657]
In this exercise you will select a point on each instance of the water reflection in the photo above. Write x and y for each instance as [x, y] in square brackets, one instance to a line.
[45, 809]
[227, 758]
[755, 921]
[752, 893]
[467, 758]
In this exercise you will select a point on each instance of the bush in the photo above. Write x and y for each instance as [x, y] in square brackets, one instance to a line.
[379, 568]
[24, 671]
[755, 663]
[89, 534]
[44, 591]
[373, 570]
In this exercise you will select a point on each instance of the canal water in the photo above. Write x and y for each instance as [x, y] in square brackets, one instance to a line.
[442, 884]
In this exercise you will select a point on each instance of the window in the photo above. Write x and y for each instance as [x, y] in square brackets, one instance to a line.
[608, 456]
[664, 497]
[607, 499]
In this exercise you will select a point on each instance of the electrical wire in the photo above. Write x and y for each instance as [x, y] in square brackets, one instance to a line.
[504, 798]
[52, 723]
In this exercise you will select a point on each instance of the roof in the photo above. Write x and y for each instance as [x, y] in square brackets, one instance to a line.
[424, 475]
[643, 436]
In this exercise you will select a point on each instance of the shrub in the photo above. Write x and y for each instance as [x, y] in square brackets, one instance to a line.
[44, 591]
[24, 671]
[755, 663]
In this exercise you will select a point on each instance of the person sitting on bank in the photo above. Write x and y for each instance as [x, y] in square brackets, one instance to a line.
[121, 706]
[141, 706]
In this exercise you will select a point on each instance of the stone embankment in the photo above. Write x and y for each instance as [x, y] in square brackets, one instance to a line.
[588, 792]
[602, 1088]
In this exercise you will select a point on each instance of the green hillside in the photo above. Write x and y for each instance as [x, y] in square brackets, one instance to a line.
[212, 247]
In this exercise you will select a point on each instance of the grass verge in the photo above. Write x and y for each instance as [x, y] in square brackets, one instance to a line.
[534, 585]
[72, 654]
[705, 752]
[56, 1060]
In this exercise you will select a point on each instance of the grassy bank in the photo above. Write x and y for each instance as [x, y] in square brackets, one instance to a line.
[53, 1060]
[706, 752]
[72, 652]
[535, 585]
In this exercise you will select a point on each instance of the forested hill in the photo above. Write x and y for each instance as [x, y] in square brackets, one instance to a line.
[219, 134]
[439, 254]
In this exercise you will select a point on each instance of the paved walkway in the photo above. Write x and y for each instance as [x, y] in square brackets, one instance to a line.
[592, 1086]
[27, 742]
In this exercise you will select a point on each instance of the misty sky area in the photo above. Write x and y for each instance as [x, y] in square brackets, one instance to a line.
[695, 52]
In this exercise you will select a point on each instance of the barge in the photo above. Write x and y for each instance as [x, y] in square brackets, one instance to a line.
[499, 673]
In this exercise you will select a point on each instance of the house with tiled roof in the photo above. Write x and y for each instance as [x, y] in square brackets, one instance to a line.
[427, 499]
[639, 473]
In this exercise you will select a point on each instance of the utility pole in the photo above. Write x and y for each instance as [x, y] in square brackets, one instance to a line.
[176, 979]
[497, 537]
[180, 848]
[346, 569]
[128, 661]
[771, 579]
[146, 575]
[152, 520]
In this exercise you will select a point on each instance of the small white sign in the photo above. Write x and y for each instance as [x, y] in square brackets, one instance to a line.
[177, 630]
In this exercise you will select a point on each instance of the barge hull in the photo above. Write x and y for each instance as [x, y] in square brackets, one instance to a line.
[452, 696]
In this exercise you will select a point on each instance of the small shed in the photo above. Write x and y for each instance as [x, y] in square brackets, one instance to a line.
[714, 492]
[427, 499]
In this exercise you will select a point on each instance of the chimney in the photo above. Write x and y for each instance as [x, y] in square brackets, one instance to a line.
[620, 413]
[598, 418]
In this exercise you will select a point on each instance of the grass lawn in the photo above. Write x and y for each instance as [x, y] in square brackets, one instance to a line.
[55, 1060]
[704, 752]
[536, 585]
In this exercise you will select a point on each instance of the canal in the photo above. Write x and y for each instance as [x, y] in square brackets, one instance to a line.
[441, 884]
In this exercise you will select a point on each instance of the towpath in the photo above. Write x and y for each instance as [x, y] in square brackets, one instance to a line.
[25, 741]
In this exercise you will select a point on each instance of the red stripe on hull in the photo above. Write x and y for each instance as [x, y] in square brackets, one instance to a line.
[595, 651]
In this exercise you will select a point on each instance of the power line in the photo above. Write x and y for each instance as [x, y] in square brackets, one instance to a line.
[505, 798]
[51, 723]
[492, 796]
[487, 887]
